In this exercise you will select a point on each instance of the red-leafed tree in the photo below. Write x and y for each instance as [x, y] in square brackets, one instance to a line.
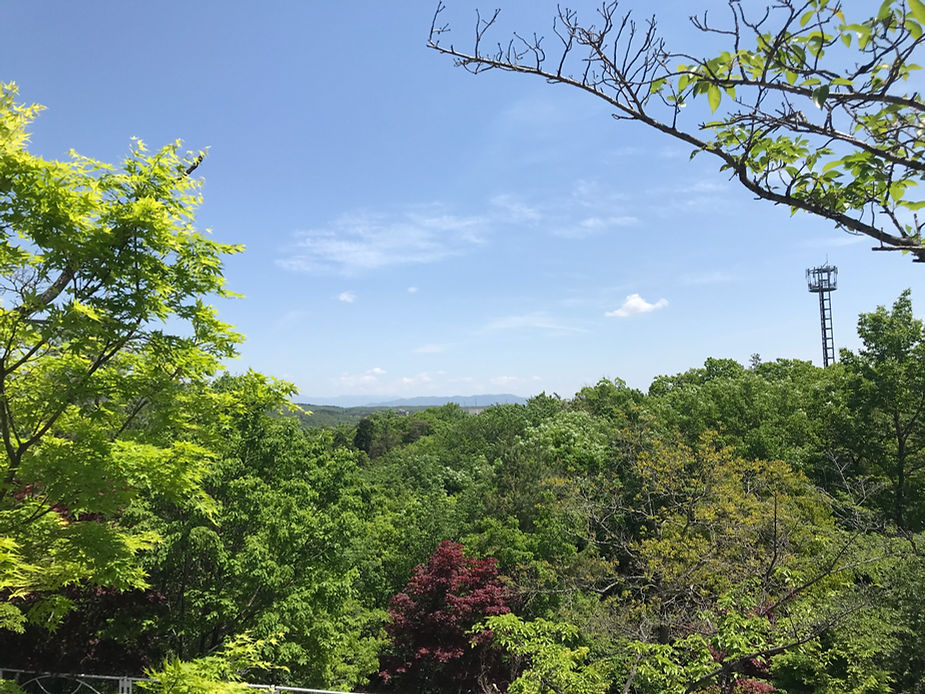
[432, 645]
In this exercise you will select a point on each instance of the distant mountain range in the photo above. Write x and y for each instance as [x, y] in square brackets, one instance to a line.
[425, 401]
[461, 400]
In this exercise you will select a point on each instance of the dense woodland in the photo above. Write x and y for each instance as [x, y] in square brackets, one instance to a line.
[743, 529]
[735, 529]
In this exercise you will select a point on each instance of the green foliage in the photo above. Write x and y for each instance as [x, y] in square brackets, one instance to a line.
[330, 416]
[887, 397]
[220, 673]
[869, 163]
[768, 412]
[724, 532]
[610, 399]
[289, 511]
[552, 657]
[10, 687]
[98, 261]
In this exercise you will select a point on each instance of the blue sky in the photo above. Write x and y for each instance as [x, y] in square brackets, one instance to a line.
[414, 230]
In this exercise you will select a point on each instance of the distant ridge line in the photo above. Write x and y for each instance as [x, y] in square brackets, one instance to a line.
[352, 401]
[483, 400]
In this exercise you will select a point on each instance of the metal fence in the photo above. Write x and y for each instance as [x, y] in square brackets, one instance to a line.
[71, 683]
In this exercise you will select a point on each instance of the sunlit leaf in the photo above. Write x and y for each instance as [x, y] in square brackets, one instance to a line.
[714, 96]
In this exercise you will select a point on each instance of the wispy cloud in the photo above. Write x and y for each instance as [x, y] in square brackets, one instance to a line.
[593, 194]
[834, 241]
[537, 320]
[710, 186]
[358, 242]
[362, 381]
[673, 152]
[634, 305]
[421, 379]
[664, 152]
[587, 209]
[626, 151]
[291, 319]
[430, 349]
[412, 290]
[589, 226]
[713, 194]
[347, 297]
[379, 382]
[514, 209]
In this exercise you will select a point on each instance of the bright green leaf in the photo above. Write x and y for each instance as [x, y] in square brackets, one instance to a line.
[714, 96]
[917, 8]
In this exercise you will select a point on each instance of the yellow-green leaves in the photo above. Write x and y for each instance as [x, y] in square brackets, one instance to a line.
[917, 8]
[557, 660]
[100, 408]
[85, 310]
[714, 95]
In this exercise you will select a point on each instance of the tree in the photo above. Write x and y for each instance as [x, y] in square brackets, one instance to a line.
[104, 313]
[708, 566]
[554, 661]
[806, 108]
[768, 412]
[275, 561]
[432, 619]
[887, 397]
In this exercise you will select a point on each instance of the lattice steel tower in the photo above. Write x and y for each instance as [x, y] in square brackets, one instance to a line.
[823, 280]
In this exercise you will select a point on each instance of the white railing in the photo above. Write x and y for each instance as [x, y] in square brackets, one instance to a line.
[72, 683]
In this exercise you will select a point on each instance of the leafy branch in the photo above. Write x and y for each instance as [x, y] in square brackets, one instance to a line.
[807, 109]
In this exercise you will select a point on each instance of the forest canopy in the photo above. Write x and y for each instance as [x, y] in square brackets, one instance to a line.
[732, 529]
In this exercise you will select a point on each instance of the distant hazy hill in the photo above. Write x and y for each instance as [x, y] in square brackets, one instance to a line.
[461, 400]
[332, 415]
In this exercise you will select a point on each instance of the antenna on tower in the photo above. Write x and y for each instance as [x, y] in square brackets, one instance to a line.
[823, 280]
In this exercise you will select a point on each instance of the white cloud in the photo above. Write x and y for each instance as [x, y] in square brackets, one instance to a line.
[421, 379]
[504, 380]
[515, 210]
[538, 320]
[627, 151]
[704, 186]
[359, 242]
[834, 241]
[412, 290]
[670, 152]
[430, 349]
[593, 194]
[634, 305]
[347, 297]
[362, 380]
[594, 225]
[663, 152]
